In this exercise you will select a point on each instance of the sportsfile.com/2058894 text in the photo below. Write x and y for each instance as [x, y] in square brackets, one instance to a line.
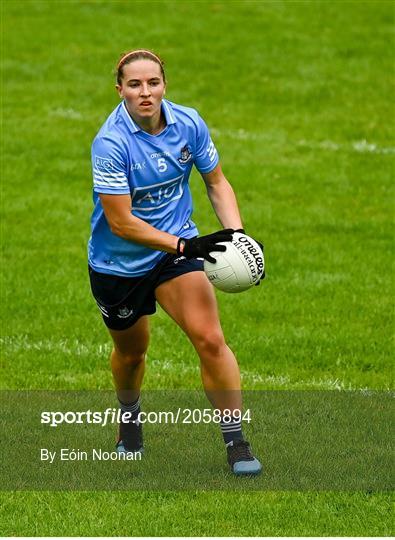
[115, 416]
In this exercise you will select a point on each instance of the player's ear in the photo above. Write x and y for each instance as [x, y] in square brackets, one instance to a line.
[119, 90]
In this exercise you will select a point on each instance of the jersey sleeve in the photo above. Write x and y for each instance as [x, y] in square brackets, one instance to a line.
[109, 167]
[206, 157]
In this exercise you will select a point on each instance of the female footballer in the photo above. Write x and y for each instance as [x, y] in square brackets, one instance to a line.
[144, 248]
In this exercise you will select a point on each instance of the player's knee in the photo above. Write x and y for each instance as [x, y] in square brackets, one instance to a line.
[210, 343]
[130, 358]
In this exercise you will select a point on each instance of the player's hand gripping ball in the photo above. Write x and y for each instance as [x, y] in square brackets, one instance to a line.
[238, 268]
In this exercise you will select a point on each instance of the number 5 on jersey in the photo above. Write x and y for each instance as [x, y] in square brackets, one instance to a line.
[162, 165]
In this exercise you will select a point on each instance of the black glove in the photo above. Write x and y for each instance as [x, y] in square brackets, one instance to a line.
[242, 231]
[201, 246]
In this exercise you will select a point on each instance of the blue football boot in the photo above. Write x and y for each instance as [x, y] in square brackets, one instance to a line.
[241, 460]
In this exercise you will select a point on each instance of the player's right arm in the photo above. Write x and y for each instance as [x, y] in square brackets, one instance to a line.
[117, 209]
[110, 180]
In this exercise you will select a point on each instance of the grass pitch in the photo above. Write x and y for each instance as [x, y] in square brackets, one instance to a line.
[298, 96]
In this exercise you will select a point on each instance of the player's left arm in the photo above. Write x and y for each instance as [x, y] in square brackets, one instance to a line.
[222, 198]
[224, 202]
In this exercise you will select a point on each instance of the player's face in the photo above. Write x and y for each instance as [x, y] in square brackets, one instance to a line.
[142, 88]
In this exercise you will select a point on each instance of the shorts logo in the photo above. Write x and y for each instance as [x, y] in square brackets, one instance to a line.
[186, 155]
[103, 164]
[148, 198]
[124, 312]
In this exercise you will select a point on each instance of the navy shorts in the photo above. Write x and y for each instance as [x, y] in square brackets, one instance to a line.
[123, 300]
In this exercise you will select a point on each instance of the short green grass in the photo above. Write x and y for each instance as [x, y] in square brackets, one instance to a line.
[298, 96]
[196, 514]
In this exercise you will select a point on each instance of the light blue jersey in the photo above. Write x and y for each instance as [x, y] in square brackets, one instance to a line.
[154, 170]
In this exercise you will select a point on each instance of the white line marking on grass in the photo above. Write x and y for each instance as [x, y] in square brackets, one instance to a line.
[240, 134]
[251, 377]
[276, 380]
[285, 381]
[66, 346]
[319, 278]
[71, 114]
[361, 147]
[74, 347]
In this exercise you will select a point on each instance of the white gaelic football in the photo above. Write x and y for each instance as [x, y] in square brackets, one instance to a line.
[239, 267]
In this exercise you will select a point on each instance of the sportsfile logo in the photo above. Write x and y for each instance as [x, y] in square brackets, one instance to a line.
[255, 263]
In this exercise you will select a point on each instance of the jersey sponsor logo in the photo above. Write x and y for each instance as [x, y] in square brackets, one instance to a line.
[211, 151]
[186, 155]
[155, 196]
[104, 164]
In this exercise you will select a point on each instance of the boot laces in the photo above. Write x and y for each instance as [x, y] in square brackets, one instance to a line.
[242, 451]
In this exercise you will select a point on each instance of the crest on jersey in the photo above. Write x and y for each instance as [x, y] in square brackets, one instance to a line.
[186, 155]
